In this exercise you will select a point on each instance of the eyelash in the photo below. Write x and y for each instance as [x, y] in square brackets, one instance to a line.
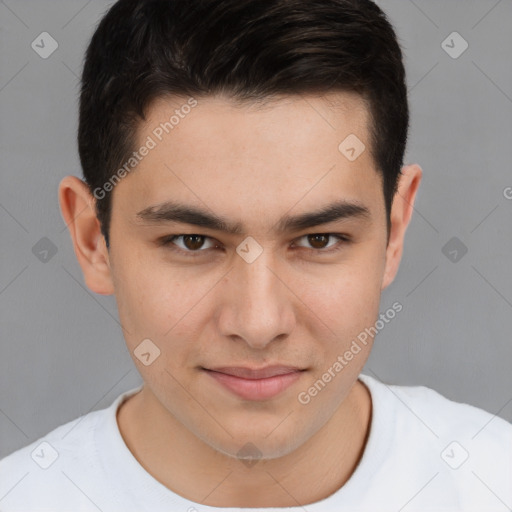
[167, 242]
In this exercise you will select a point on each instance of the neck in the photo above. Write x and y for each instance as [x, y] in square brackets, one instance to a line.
[194, 470]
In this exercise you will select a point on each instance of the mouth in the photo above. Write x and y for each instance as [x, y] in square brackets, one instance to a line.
[255, 383]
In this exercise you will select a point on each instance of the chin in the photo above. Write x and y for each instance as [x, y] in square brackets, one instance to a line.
[248, 449]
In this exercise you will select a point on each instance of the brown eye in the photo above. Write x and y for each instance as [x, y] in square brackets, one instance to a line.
[318, 241]
[325, 242]
[193, 242]
[190, 243]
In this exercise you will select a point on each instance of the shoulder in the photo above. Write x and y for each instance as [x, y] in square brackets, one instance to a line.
[58, 467]
[466, 451]
[40, 469]
[447, 417]
[416, 405]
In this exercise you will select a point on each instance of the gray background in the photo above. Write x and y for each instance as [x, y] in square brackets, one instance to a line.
[62, 350]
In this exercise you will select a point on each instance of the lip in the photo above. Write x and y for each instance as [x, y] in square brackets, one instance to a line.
[255, 384]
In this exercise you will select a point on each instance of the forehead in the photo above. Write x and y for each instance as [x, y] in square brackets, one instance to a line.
[207, 114]
[247, 157]
[293, 126]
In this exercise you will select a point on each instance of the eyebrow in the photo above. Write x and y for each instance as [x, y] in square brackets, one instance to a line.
[171, 211]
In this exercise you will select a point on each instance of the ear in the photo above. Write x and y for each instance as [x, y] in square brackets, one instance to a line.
[401, 213]
[78, 211]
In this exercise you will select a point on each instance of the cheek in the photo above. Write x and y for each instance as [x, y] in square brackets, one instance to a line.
[161, 303]
[146, 298]
[347, 300]
[151, 306]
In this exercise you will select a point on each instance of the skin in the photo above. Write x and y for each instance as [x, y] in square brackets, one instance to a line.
[291, 306]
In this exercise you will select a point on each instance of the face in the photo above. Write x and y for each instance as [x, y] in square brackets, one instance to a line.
[286, 288]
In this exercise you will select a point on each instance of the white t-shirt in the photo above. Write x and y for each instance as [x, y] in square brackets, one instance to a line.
[424, 453]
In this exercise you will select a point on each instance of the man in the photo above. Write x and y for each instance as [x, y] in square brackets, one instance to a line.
[245, 199]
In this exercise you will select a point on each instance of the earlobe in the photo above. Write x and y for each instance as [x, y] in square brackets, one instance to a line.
[78, 211]
[401, 213]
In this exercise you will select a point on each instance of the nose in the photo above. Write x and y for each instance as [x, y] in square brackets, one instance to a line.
[258, 306]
